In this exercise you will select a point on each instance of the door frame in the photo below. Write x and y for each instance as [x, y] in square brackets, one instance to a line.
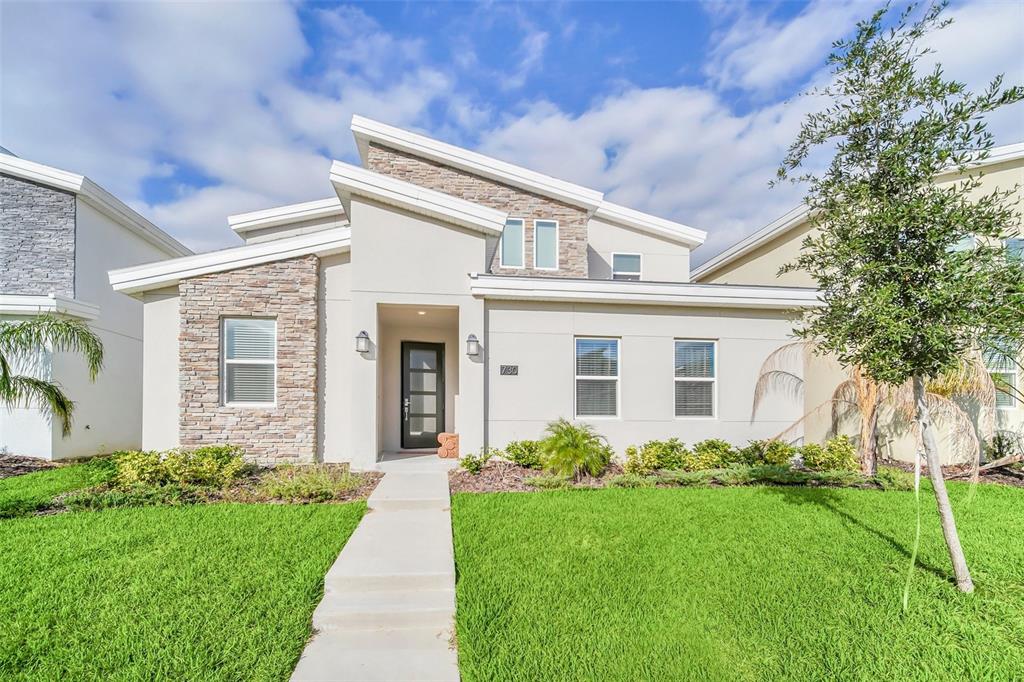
[439, 348]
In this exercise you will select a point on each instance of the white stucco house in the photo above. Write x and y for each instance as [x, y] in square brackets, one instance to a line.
[443, 290]
[59, 235]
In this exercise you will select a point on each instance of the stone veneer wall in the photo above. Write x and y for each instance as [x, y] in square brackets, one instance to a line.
[287, 291]
[572, 221]
[37, 239]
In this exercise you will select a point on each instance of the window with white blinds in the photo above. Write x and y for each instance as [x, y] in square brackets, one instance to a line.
[695, 378]
[597, 377]
[249, 349]
[626, 266]
[1003, 370]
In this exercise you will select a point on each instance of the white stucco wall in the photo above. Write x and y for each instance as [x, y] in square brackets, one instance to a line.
[662, 260]
[26, 430]
[539, 338]
[336, 350]
[160, 369]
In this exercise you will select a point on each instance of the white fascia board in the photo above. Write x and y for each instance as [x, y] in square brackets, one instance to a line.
[52, 304]
[97, 197]
[644, 222]
[366, 130]
[352, 180]
[284, 215]
[141, 278]
[642, 293]
[775, 229]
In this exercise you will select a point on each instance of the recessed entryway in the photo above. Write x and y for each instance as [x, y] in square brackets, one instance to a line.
[422, 393]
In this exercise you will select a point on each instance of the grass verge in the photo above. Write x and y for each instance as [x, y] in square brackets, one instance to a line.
[734, 583]
[21, 495]
[208, 592]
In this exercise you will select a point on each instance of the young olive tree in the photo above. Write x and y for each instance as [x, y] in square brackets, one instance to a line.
[903, 301]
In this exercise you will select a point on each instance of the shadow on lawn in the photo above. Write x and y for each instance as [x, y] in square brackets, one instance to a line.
[827, 499]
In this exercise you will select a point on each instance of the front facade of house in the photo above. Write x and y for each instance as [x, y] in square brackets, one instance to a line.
[59, 235]
[445, 291]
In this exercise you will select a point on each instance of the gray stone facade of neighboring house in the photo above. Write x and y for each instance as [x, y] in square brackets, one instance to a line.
[286, 291]
[572, 221]
[37, 239]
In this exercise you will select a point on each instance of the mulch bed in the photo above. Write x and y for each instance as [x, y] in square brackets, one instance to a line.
[504, 477]
[1011, 474]
[16, 465]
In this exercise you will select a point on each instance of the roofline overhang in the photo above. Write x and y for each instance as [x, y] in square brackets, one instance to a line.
[650, 224]
[243, 223]
[50, 304]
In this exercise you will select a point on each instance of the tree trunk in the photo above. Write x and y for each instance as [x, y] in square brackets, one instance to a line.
[931, 449]
[869, 430]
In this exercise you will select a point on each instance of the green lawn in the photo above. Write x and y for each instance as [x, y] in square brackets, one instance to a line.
[734, 583]
[20, 495]
[206, 592]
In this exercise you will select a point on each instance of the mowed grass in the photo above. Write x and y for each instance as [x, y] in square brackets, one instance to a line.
[736, 583]
[21, 495]
[206, 592]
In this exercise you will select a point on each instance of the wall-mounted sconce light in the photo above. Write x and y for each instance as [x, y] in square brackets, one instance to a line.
[363, 342]
[472, 345]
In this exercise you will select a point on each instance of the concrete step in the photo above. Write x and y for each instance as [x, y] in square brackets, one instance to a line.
[394, 609]
[389, 582]
[410, 491]
[411, 463]
[420, 654]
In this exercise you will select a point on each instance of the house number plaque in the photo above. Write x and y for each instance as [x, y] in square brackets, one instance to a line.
[509, 370]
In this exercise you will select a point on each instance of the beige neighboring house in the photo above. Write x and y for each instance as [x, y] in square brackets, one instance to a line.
[59, 235]
[441, 290]
[757, 259]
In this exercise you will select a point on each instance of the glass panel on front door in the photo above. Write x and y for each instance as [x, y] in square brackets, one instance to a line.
[422, 407]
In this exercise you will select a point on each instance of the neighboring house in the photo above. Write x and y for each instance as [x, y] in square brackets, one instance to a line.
[443, 290]
[59, 235]
[757, 259]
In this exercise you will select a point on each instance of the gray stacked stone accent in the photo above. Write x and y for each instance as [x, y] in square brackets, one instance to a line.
[287, 291]
[572, 221]
[37, 239]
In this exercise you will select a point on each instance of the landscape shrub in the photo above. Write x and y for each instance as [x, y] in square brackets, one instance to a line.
[574, 450]
[314, 483]
[547, 482]
[838, 454]
[839, 477]
[891, 478]
[474, 463]
[210, 465]
[656, 454]
[134, 495]
[631, 481]
[679, 477]
[1002, 444]
[768, 452]
[525, 453]
[712, 453]
[139, 467]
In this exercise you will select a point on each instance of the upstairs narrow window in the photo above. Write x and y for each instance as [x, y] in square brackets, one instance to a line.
[512, 243]
[250, 361]
[696, 375]
[545, 244]
[1015, 248]
[626, 266]
[597, 377]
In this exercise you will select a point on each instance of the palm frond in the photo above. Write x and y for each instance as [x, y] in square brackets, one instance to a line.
[789, 433]
[959, 429]
[23, 391]
[788, 383]
[60, 334]
[844, 402]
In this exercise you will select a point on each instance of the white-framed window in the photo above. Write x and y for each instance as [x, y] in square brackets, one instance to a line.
[966, 243]
[627, 266]
[545, 244]
[1003, 370]
[696, 378]
[597, 377]
[249, 353]
[1015, 248]
[511, 246]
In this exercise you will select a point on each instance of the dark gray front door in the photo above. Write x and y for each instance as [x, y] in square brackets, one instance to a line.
[422, 393]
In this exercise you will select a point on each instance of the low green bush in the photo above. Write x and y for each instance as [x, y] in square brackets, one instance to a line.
[211, 466]
[1002, 444]
[844, 478]
[548, 482]
[314, 483]
[680, 477]
[891, 478]
[656, 454]
[631, 481]
[838, 454]
[474, 463]
[139, 467]
[574, 450]
[712, 453]
[768, 452]
[134, 495]
[525, 453]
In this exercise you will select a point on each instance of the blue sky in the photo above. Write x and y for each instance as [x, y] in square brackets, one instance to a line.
[194, 111]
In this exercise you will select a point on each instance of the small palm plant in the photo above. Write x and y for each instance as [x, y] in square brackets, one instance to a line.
[574, 450]
[21, 342]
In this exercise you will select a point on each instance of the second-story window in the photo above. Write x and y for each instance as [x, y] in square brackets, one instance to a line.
[626, 266]
[512, 243]
[545, 244]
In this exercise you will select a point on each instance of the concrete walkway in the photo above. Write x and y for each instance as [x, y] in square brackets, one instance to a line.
[389, 599]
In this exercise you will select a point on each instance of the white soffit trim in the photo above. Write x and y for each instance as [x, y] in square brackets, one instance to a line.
[352, 180]
[641, 293]
[94, 195]
[141, 278]
[53, 304]
[772, 230]
[644, 222]
[366, 130]
[284, 215]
